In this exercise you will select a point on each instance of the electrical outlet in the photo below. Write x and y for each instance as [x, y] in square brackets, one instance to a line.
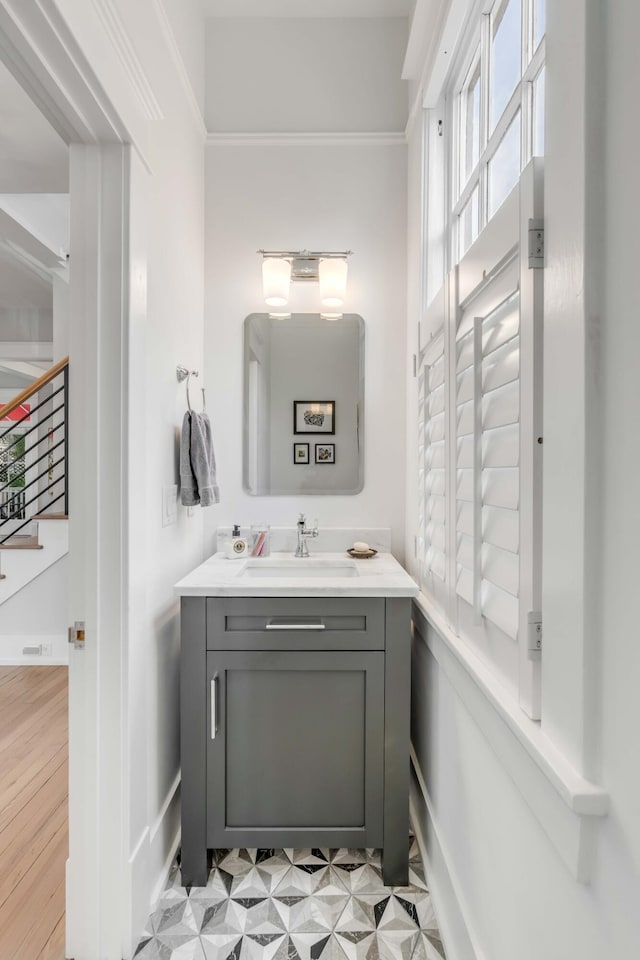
[46, 649]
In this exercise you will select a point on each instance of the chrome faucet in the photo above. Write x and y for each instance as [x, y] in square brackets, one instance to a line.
[302, 550]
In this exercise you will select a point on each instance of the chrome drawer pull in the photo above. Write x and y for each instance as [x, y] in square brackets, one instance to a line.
[294, 626]
[214, 707]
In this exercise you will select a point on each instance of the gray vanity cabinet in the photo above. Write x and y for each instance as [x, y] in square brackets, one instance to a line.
[295, 726]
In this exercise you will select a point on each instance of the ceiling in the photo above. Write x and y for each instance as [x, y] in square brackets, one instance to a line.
[308, 8]
[33, 158]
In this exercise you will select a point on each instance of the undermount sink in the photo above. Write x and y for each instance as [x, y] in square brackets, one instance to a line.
[300, 569]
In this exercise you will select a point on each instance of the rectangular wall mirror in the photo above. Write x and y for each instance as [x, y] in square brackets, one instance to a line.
[303, 404]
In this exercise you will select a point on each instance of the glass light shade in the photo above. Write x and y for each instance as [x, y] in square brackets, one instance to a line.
[276, 277]
[333, 282]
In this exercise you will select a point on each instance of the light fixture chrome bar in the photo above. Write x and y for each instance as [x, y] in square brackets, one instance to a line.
[305, 264]
[306, 254]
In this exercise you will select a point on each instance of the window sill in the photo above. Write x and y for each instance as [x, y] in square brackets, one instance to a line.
[566, 805]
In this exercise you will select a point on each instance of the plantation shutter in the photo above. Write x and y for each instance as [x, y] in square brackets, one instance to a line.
[485, 433]
[432, 463]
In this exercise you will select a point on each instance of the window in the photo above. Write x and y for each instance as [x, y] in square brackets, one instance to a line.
[504, 166]
[495, 109]
[480, 398]
[470, 126]
[12, 475]
[505, 59]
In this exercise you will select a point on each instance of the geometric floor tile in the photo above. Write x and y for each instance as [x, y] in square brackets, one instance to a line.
[169, 948]
[395, 945]
[303, 904]
[428, 947]
[360, 878]
[305, 880]
[314, 914]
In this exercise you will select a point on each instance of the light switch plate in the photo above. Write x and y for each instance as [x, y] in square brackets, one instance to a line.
[169, 504]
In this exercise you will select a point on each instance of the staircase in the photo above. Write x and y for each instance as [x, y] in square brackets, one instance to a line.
[34, 501]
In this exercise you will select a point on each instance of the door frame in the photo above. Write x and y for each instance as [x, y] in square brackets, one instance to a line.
[44, 55]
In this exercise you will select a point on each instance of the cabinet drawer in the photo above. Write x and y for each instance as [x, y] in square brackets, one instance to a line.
[295, 623]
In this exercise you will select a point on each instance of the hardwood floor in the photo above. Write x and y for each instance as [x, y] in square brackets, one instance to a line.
[33, 812]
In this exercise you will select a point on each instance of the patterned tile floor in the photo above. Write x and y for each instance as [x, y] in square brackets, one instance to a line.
[295, 905]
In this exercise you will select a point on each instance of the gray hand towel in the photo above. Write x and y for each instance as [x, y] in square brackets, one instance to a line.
[198, 479]
[188, 485]
[203, 459]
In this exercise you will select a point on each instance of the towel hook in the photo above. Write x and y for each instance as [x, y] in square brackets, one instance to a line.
[182, 373]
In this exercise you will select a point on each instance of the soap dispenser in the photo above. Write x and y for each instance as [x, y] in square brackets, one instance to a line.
[237, 546]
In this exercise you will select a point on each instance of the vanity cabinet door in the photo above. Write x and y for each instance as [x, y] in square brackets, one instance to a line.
[295, 748]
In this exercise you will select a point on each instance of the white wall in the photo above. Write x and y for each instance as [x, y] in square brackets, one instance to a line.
[165, 329]
[268, 75]
[504, 888]
[35, 615]
[515, 895]
[322, 197]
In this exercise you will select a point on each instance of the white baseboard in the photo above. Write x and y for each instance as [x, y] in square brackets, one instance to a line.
[150, 863]
[458, 940]
[11, 646]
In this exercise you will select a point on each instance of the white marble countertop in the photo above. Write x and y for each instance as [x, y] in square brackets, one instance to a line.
[282, 575]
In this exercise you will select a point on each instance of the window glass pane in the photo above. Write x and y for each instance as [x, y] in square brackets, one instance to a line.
[504, 167]
[470, 117]
[539, 21]
[538, 115]
[468, 224]
[506, 67]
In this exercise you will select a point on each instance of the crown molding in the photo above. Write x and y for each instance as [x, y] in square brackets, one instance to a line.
[116, 31]
[306, 139]
[181, 69]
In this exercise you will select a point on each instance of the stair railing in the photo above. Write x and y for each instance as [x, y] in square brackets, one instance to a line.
[34, 451]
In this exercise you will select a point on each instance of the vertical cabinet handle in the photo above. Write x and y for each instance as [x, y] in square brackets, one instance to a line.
[214, 707]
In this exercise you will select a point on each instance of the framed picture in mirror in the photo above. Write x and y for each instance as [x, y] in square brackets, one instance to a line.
[301, 453]
[325, 453]
[314, 416]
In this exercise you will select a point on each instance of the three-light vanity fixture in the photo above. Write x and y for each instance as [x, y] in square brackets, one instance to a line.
[280, 267]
